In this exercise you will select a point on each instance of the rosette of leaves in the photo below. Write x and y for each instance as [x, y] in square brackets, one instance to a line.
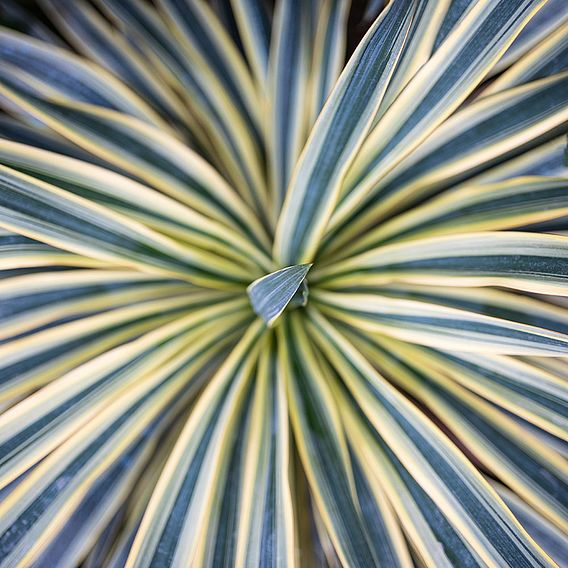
[264, 304]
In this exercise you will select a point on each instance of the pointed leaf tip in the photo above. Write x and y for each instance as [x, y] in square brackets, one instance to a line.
[270, 294]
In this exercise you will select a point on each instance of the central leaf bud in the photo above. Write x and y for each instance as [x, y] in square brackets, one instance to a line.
[273, 293]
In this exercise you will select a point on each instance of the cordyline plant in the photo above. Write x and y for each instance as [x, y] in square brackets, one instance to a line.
[263, 305]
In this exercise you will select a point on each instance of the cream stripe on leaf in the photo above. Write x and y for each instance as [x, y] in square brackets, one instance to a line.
[338, 134]
[441, 470]
[76, 78]
[288, 72]
[547, 535]
[254, 30]
[93, 521]
[441, 327]
[88, 532]
[381, 524]
[235, 148]
[21, 255]
[32, 301]
[207, 46]
[558, 367]
[88, 32]
[42, 421]
[548, 57]
[456, 10]
[502, 304]
[378, 515]
[435, 542]
[321, 444]
[40, 505]
[34, 359]
[442, 84]
[41, 345]
[268, 494]
[418, 48]
[535, 395]
[524, 261]
[203, 37]
[137, 503]
[516, 202]
[38, 136]
[57, 217]
[329, 52]
[265, 528]
[553, 16]
[471, 140]
[134, 200]
[179, 517]
[539, 475]
[544, 160]
[146, 153]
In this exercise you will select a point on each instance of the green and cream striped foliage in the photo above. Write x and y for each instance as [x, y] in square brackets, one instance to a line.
[268, 299]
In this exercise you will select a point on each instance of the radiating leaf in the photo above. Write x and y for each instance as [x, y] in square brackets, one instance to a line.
[67, 73]
[146, 153]
[266, 522]
[440, 469]
[474, 138]
[38, 424]
[506, 205]
[321, 444]
[441, 327]
[88, 32]
[287, 85]
[442, 84]
[328, 51]
[187, 492]
[254, 29]
[495, 440]
[133, 199]
[338, 134]
[34, 509]
[523, 261]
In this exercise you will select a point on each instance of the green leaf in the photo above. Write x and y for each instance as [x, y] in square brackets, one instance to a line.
[138, 201]
[184, 514]
[44, 499]
[497, 441]
[545, 59]
[337, 135]
[441, 327]
[271, 294]
[219, 122]
[552, 540]
[482, 133]
[435, 92]
[320, 439]
[329, 51]
[428, 456]
[500, 206]
[287, 89]
[59, 218]
[524, 261]
[91, 34]
[145, 152]
[73, 77]
[39, 423]
[552, 17]
[254, 30]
